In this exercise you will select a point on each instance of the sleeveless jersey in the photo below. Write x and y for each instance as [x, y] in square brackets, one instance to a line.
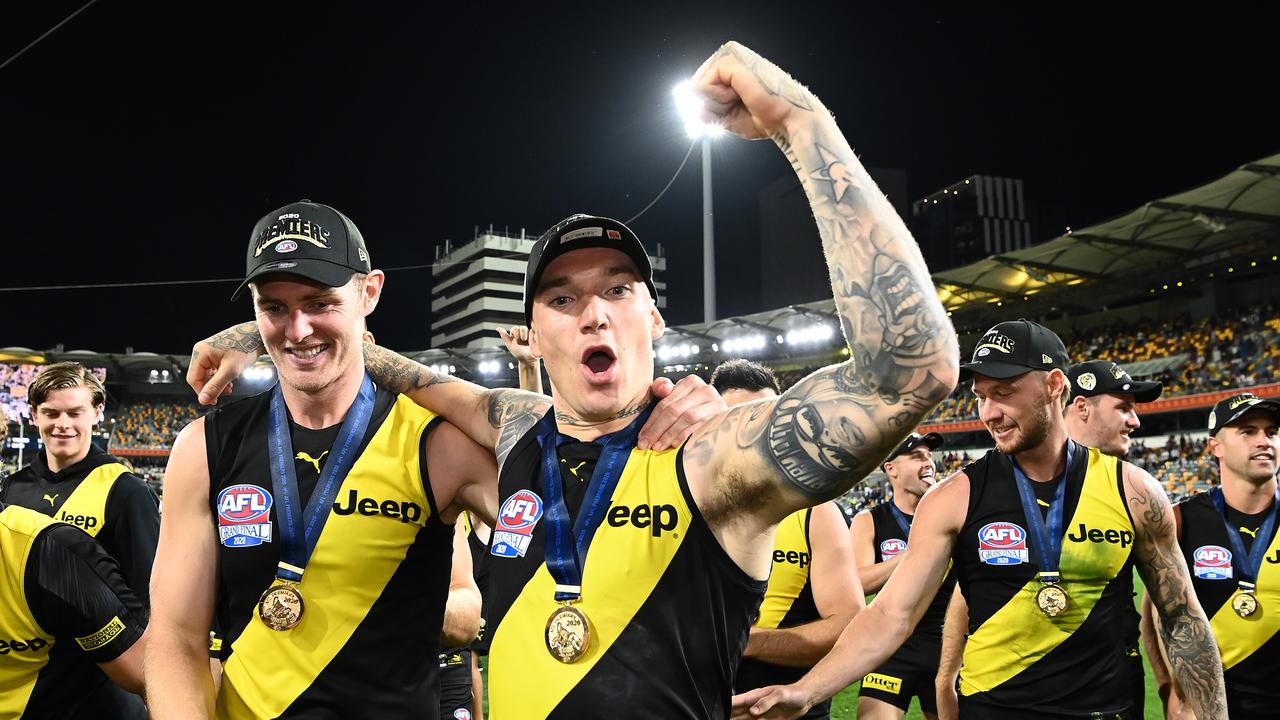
[669, 609]
[889, 541]
[788, 601]
[63, 607]
[1015, 655]
[375, 586]
[1249, 646]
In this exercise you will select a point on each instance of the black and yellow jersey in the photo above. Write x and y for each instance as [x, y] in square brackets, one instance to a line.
[375, 586]
[64, 606]
[1016, 657]
[100, 496]
[1249, 646]
[669, 609]
[788, 601]
[889, 541]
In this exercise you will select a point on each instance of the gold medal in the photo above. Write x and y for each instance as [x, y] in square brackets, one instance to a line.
[281, 607]
[568, 634]
[1245, 604]
[1052, 599]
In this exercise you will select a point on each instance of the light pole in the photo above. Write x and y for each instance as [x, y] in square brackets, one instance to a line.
[690, 108]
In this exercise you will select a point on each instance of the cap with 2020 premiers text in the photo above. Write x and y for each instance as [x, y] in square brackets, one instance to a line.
[1013, 348]
[577, 232]
[307, 239]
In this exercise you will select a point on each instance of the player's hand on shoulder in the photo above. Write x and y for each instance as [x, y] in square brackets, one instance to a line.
[220, 358]
[682, 408]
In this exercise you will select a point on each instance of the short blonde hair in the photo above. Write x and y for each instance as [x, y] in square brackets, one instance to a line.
[63, 375]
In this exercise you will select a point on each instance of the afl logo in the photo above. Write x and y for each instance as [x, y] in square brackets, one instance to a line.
[892, 548]
[286, 246]
[1002, 543]
[1212, 562]
[244, 504]
[516, 520]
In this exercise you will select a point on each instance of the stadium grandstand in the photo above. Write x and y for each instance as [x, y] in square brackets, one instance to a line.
[1180, 289]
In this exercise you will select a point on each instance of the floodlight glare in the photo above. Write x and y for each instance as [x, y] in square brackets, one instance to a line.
[690, 109]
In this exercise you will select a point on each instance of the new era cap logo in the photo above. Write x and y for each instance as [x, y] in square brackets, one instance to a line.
[1046, 359]
[581, 233]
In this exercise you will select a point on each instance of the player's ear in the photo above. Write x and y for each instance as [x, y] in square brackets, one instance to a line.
[535, 345]
[371, 290]
[657, 325]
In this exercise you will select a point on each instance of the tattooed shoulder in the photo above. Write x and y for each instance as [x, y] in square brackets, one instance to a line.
[513, 413]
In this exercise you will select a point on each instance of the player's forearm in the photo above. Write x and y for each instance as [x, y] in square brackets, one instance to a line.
[1155, 653]
[799, 646]
[873, 577]
[953, 639]
[461, 617]
[866, 642]
[178, 682]
[531, 376]
[1197, 666]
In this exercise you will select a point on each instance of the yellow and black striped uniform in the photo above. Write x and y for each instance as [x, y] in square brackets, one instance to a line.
[788, 601]
[1250, 647]
[669, 609]
[100, 496]
[1016, 657]
[374, 589]
[63, 607]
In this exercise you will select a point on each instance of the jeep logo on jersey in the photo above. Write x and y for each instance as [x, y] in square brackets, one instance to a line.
[34, 645]
[517, 518]
[244, 516]
[85, 522]
[892, 547]
[1094, 535]
[658, 518]
[402, 510]
[1211, 562]
[795, 557]
[1002, 543]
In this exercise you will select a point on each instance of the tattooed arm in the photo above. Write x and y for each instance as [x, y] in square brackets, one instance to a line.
[833, 427]
[1184, 629]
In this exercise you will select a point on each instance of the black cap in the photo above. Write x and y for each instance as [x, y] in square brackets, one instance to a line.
[307, 239]
[1013, 348]
[575, 233]
[1229, 410]
[1103, 377]
[931, 440]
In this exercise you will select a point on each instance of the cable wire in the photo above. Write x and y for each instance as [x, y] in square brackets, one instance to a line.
[683, 162]
[49, 32]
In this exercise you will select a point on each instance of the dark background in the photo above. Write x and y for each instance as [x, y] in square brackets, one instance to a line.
[142, 140]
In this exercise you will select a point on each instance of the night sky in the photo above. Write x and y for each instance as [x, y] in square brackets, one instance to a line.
[142, 140]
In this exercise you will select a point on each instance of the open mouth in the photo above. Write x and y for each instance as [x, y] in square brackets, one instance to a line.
[1263, 456]
[598, 359]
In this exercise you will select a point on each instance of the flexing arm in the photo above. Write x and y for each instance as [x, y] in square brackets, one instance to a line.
[837, 594]
[832, 428]
[182, 587]
[954, 635]
[872, 574]
[1184, 629]
[462, 610]
[879, 630]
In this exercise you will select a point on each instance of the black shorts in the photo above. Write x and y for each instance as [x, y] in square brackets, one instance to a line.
[971, 710]
[1138, 689]
[911, 672]
[455, 685]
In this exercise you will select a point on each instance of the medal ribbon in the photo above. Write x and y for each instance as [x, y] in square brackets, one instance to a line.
[299, 529]
[1048, 540]
[566, 547]
[1248, 572]
[901, 517]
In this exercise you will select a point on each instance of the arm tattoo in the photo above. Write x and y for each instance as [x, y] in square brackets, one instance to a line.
[241, 338]
[513, 413]
[1188, 638]
[398, 373]
[833, 427]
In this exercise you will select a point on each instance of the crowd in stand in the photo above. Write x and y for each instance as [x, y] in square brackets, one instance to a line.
[151, 424]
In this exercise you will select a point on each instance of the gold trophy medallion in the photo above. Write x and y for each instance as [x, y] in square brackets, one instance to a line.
[568, 634]
[1052, 600]
[281, 607]
[1245, 604]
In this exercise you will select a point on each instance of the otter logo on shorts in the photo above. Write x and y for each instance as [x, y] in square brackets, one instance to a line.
[516, 520]
[892, 548]
[1002, 543]
[1212, 562]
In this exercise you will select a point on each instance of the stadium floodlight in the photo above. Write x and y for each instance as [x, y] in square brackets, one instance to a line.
[690, 109]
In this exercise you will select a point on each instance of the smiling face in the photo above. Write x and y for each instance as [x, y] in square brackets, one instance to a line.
[1018, 411]
[312, 331]
[1104, 422]
[1247, 448]
[911, 472]
[594, 324]
[65, 420]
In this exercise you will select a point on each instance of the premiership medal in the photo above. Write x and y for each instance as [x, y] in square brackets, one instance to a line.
[281, 607]
[1245, 604]
[1052, 600]
[568, 634]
